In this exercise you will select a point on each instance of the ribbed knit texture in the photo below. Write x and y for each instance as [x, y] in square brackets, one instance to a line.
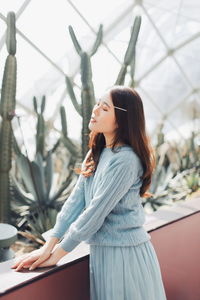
[105, 208]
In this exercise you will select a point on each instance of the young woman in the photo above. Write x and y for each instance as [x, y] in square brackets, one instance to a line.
[105, 209]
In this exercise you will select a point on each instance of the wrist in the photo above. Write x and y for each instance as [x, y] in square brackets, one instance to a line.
[60, 252]
[49, 245]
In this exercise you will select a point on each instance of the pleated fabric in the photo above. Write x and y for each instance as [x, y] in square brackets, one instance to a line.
[125, 273]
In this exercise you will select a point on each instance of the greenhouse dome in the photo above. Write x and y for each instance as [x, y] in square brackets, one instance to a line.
[166, 71]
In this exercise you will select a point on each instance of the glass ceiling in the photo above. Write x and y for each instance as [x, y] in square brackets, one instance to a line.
[167, 57]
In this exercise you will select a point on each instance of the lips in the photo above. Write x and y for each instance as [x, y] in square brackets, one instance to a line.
[92, 119]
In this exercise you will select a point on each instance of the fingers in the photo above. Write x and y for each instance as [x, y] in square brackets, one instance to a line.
[48, 263]
[26, 266]
[24, 262]
[20, 266]
[22, 257]
[30, 262]
[38, 262]
[45, 263]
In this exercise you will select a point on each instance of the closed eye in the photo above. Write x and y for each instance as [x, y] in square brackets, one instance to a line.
[98, 103]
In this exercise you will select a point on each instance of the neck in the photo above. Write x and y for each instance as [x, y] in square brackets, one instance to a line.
[108, 140]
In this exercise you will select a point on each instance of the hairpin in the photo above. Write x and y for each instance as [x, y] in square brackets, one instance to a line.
[120, 108]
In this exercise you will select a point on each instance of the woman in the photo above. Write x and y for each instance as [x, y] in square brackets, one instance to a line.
[105, 209]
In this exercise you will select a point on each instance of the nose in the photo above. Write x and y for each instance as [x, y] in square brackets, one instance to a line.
[96, 109]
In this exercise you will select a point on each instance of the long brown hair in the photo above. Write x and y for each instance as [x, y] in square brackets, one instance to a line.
[131, 131]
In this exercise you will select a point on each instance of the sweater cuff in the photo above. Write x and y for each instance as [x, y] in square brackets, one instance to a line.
[55, 234]
[68, 244]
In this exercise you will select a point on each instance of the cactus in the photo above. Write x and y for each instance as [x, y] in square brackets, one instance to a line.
[129, 58]
[65, 139]
[41, 128]
[87, 89]
[7, 108]
[40, 133]
[11, 34]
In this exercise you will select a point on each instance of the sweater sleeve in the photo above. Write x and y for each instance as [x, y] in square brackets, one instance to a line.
[72, 207]
[118, 178]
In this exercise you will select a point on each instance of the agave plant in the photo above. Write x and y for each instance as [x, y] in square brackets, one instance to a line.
[177, 172]
[37, 196]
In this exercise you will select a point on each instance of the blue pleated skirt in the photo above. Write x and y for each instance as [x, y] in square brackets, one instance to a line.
[125, 273]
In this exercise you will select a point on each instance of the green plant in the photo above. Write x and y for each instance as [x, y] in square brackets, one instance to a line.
[129, 58]
[177, 171]
[7, 108]
[37, 196]
[193, 181]
[87, 90]
[40, 132]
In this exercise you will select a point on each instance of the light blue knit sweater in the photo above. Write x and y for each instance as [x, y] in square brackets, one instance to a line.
[105, 208]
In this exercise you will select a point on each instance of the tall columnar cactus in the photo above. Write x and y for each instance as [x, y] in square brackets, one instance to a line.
[129, 58]
[40, 133]
[41, 129]
[64, 137]
[87, 89]
[7, 108]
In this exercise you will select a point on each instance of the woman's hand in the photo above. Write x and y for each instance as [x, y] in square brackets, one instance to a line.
[55, 256]
[33, 258]
[42, 257]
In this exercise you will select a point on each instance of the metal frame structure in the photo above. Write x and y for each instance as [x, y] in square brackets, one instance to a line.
[112, 30]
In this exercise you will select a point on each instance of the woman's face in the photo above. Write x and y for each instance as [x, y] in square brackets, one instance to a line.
[103, 116]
